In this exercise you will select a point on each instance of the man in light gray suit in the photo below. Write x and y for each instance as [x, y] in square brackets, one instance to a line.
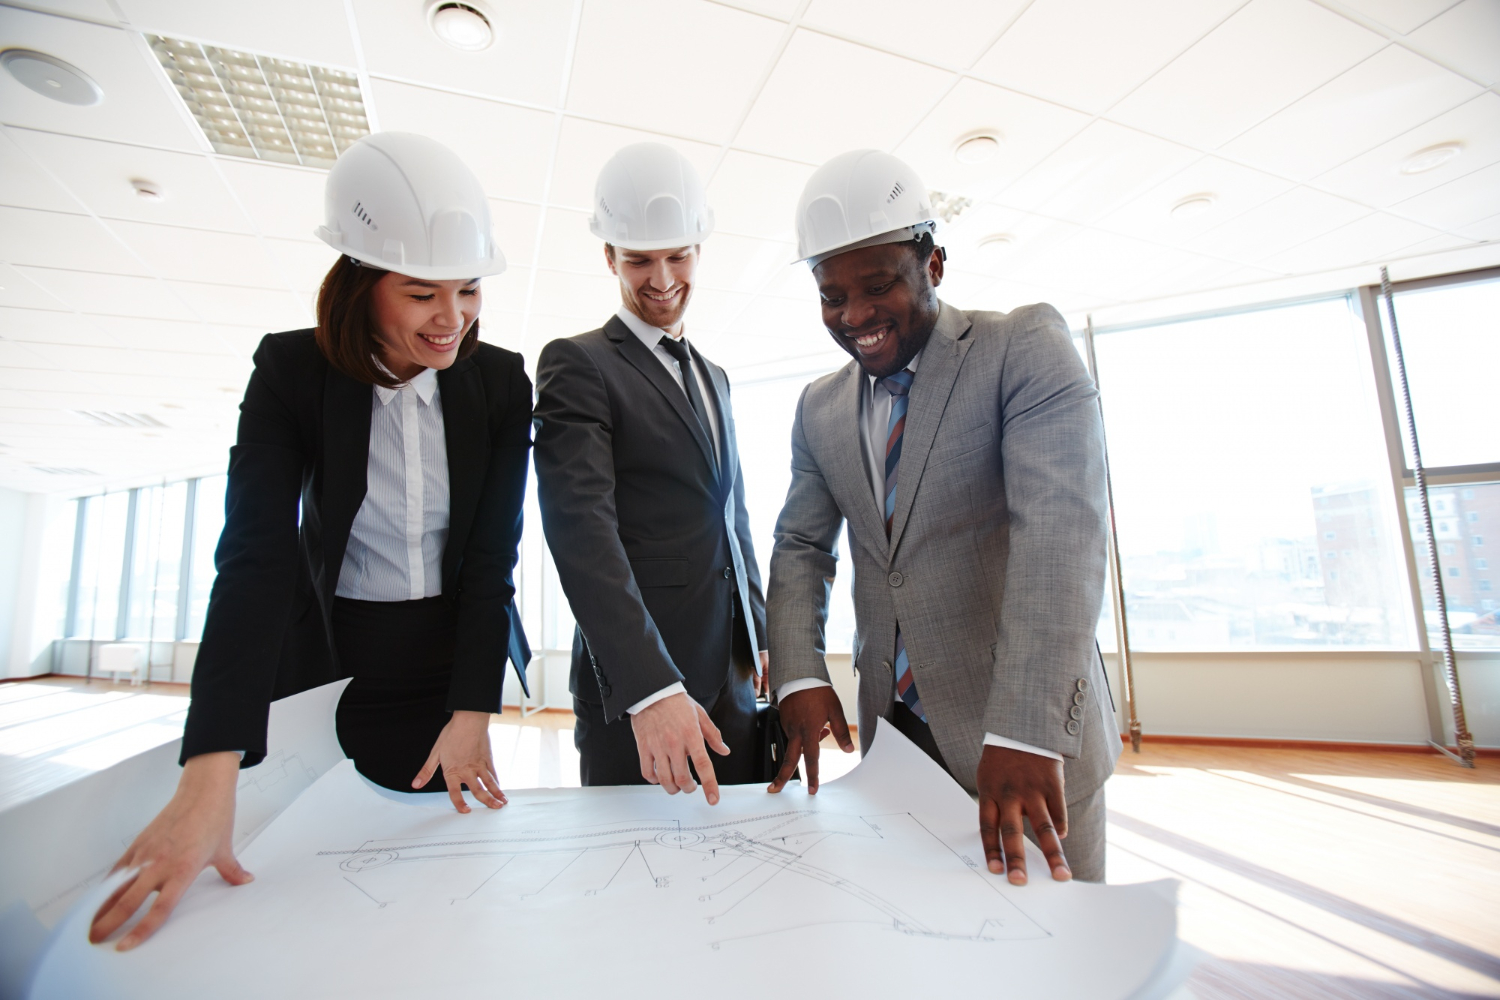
[965, 452]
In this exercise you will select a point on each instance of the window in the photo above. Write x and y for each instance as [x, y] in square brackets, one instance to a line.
[1229, 436]
[156, 563]
[1450, 335]
[100, 567]
[1472, 515]
[1471, 616]
[208, 524]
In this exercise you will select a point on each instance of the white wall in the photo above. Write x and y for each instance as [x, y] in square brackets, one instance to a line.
[1344, 697]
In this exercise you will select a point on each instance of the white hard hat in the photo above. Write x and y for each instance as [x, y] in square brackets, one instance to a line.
[860, 199]
[406, 203]
[649, 197]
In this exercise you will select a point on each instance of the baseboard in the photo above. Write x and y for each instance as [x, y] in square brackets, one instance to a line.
[1321, 745]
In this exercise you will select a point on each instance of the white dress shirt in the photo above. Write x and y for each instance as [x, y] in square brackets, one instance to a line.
[395, 550]
[874, 429]
[651, 337]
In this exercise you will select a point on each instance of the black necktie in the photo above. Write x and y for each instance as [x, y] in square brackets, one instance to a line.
[679, 350]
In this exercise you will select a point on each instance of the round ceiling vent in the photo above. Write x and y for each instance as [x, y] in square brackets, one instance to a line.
[51, 77]
[977, 147]
[465, 26]
[1431, 158]
[1193, 206]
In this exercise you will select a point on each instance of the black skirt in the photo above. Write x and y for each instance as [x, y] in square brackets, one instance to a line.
[400, 656]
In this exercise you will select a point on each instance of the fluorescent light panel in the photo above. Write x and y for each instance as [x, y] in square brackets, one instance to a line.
[263, 108]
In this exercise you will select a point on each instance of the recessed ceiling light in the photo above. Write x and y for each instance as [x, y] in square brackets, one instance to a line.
[1193, 206]
[464, 26]
[977, 147]
[51, 77]
[997, 241]
[263, 108]
[1431, 158]
[148, 190]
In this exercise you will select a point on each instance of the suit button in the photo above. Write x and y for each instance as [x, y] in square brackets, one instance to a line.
[1079, 697]
[728, 572]
[605, 690]
[1076, 711]
[1073, 727]
[1083, 685]
[894, 579]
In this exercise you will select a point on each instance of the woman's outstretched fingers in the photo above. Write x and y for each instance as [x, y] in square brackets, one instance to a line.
[428, 769]
[167, 898]
[109, 917]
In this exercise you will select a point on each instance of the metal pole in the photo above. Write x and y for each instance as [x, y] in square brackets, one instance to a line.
[1116, 573]
[1461, 734]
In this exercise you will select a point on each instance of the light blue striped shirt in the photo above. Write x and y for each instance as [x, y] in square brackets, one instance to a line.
[395, 550]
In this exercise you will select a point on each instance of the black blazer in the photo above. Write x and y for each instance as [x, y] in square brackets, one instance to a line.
[304, 436]
[648, 531]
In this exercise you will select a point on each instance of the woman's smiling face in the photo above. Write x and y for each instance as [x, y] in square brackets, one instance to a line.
[421, 323]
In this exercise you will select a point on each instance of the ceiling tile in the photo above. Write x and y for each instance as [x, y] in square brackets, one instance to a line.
[1101, 167]
[1268, 54]
[515, 225]
[24, 355]
[28, 185]
[524, 63]
[100, 173]
[567, 244]
[20, 291]
[89, 10]
[712, 310]
[506, 293]
[504, 145]
[1196, 274]
[1400, 15]
[1457, 204]
[1369, 239]
[1087, 54]
[786, 122]
[44, 380]
[281, 201]
[301, 264]
[1382, 97]
[272, 310]
[1375, 178]
[53, 239]
[1100, 263]
[949, 33]
[120, 361]
[584, 146]
[632, 53]
[740, 263]
[49, 327]
[305, 30]
[137, 106]
[1466, 37]
[201, 255]
[1029, 130]
[1029, 237]
[1487, 230]
[189, 337]
[1235, 189]
[755, 195]
[780, 9]
[963, 288]
[1279, 224]
[588, 298]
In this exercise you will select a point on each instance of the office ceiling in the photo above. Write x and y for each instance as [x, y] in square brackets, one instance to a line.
[127, 323]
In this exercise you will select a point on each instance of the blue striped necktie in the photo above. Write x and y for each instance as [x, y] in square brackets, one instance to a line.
[898, 385]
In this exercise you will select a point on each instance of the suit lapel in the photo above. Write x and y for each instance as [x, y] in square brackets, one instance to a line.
[728, 448]
[849, 475]
[941, 360]
[346, 456]
[645, 362]
[466, 433]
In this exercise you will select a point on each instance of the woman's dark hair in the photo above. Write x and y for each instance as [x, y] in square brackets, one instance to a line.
[346, 324]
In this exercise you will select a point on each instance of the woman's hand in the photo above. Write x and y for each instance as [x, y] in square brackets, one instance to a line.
[195, 830]
[462, 750]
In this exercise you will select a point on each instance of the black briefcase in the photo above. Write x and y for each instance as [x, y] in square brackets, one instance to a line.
[770, 743]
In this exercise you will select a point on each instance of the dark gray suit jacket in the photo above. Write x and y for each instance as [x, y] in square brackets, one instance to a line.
[648, 531]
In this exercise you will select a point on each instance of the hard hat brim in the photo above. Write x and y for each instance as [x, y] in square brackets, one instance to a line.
[904, 234]
[667, 244]
[486, 268]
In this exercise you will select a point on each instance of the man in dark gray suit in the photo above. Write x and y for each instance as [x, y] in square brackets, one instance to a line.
[965, 452]
[643, 508]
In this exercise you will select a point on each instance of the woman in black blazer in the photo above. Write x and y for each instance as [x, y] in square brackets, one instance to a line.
[373, 516]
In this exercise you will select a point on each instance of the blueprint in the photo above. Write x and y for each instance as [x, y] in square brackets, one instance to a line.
[877, 883]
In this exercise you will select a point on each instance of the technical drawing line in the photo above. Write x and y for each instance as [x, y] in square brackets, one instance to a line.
[486, 882]
[980, 874]
[648, 864]
[736, 881]
[798, 927]
[528, 895]
[628, 855]
[371, 898]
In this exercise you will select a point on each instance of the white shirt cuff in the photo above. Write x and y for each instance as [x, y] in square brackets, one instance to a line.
[800, 684]
[991, 740]
[650, 700]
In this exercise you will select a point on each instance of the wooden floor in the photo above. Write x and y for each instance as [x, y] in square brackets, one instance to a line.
[1305, 874]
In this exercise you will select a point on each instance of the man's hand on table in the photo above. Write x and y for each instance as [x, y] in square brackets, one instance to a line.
[1013, 785]
[671, 732]
[807, 716]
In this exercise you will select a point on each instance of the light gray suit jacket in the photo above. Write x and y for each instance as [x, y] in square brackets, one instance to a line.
[995, 564]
